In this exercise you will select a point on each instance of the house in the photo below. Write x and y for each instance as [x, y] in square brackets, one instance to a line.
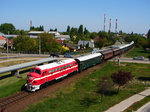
[10, 43]
[3, 41]
[59, 41]
[84, 44]
[69, 46]
[63, 37]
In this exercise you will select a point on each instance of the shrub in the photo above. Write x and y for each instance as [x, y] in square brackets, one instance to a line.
[121, 78]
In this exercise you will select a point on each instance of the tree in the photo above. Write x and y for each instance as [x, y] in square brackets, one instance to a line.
[7, 27]
[86, 32]
[25, 43]
[148, 34]
[99, 42]
[55, 29]
[93, 35]
[80, 31]
[121, 78]
[105, 86]
[68, 29]
[41, 28]
[49, 43]
[103, 34]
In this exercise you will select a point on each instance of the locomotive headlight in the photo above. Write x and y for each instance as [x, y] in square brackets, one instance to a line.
[30, 78]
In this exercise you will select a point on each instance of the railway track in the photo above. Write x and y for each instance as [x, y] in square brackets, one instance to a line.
[12, 99]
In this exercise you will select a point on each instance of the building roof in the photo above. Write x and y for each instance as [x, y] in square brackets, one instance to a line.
[2, 38]
[39, 32]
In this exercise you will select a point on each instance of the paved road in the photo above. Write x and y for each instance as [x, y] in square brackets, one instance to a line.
[144, 108]
[123, 105]
[130, 60]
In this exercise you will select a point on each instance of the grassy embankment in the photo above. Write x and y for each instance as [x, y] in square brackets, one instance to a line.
[83, 95]
[138, 52]
[11, 84]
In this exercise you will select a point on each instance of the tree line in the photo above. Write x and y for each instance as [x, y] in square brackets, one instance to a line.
[48, 42]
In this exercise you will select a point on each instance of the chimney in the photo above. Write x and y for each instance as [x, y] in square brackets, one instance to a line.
[116, 26]
[31, 23]
[110, 25]
[104, 21]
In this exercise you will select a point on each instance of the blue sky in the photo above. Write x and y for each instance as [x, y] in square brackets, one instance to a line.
[132, 15]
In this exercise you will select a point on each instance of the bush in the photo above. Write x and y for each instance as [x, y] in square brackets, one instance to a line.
[121, 78]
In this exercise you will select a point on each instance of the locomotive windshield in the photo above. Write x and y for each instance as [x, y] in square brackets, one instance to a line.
[36, 71]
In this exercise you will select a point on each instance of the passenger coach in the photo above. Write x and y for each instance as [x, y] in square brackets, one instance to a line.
[87, 61]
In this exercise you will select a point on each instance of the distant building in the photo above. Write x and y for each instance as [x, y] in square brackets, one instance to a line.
[59, 41]
[10, 43]
[7, 36]
[62, 37]
[69, 46]
[3, 41]
[34, 34]
[84, 44]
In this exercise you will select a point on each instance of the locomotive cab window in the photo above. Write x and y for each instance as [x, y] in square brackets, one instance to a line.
[32, 70]
[38, 71]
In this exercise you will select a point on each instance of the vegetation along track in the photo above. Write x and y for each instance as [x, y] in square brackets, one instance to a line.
[12, 99]
[28, 98]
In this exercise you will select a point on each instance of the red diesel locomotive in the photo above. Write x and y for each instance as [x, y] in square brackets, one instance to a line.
[48, 72]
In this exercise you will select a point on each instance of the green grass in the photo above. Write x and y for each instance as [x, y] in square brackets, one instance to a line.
[137, 105]
[83, 96]
[12, 88]
[11, 85]
[138, 52]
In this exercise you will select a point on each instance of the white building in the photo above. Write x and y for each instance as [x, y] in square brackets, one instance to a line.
[2, 41]
[62, 37]
[34, 34]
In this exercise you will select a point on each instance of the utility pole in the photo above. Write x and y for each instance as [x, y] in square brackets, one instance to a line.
[7, 44]
[39, 45]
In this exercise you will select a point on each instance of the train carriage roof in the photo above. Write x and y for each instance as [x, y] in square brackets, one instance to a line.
[55, 64]
[107, 51]
[83, 58]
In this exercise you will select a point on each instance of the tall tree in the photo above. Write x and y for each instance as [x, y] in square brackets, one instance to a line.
[7, 27]
[148, 34]
[86, 32]
[68, 29]
[80, 31]
[55, 29]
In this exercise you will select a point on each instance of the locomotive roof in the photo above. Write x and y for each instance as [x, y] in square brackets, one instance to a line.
[55, 64]
[83, 58]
